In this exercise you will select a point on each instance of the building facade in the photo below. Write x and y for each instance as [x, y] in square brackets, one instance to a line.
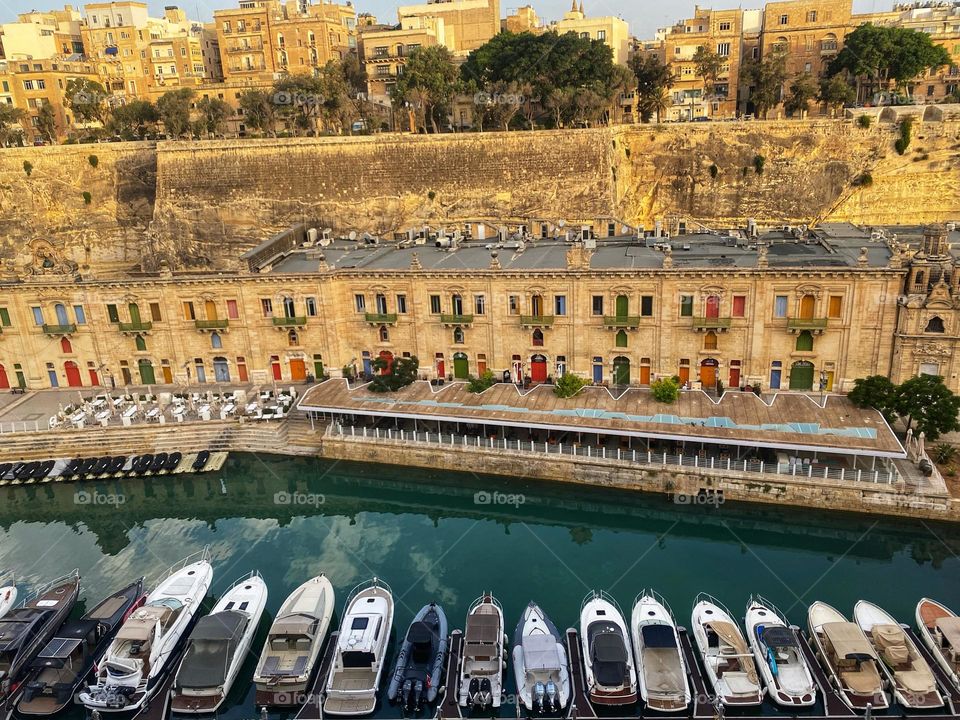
[465, 24]
[614, 32]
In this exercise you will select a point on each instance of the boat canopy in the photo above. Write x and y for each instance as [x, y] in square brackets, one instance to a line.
[227, 625]
[608, 647]
[949, 627]
[848, 641]
[892, 643]
[777, 636]
[483, 628]
[293, 625]
[730, 635]
[540, 653]
[212, 646]
[658, 636]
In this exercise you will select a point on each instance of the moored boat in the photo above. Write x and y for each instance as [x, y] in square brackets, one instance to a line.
[661, 670]
[940, 630]
[8, 592]
[611, 676]
[217, 647]
[726, 657]
[483, 660]
[141, 655]
[848, 657]
[64, 663]
[351, 687]
[290, 654]
[540, 663]
[909, 675]
[776, 648]
[418, 672]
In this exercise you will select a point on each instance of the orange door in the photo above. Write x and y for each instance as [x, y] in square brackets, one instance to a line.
[298, 370]
[684, 374]
[708, 376]
[73, 374]
[242, 372]
[644, 374]
[538, 368]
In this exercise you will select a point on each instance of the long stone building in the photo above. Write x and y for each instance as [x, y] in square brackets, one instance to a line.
[789, 309]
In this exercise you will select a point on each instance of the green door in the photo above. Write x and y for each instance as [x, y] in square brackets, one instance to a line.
[623, 306]
[147, 376]
[801, 376]
[621, 371]
[134, 313]
[461, 366]
[317, 367]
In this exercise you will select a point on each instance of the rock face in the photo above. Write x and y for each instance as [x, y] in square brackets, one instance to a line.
[201, 204]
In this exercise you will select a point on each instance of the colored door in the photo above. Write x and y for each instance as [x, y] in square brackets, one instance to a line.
[52, 374]
[201, 374]
[147, 375]
[708, 375]
[801, 376]
[622, 306]
[275, 367]
[829, 387]
[210, 308]
[298, 370]
[242, 371]
[684, 374]
[775, 379]
[807, 304]
[127, 377]
[621, 371]
[387, 358]
[368, 365]
[441, 369]
[21, 378]
[221, 371]
[734, 377]
[318, 368]
[4, 382]
[461, 366]
[134, 313]
[644, 374]
[94, 378]
[713, 307]
[167, 374]
[598, 373]
[73, 374]
[538, 368]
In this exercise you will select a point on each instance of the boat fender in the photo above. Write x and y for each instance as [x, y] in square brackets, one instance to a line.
[772, 662]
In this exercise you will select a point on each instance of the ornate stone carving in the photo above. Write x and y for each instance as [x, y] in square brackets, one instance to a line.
[46, 262]
[931, 348]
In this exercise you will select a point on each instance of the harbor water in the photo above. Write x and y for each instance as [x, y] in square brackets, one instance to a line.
[448, 537]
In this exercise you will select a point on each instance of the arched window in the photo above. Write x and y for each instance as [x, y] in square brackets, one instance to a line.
[621, 338]
[458, 336]
[61, 312]
[457, 304]
[66, 347]
[288, 308]
[710, 341]
[293, 338]
[935, 325]
[215, 342]
[805, 341]
[536, 305]
[140, 342]
[538, 338]
[384, 334]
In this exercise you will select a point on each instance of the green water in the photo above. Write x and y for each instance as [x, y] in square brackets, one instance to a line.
[426, 535]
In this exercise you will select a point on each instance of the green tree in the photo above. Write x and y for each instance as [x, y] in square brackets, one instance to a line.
[213, 113]
[428, 83]
[485, 381]
[298, 98]
[803, 89]
[87, 99]
[706, 66]
[836, 92]
[173, 109]
[132, 119]
[47, 122]
[395, 373]
[929, 404]
[10, 127]
[568, 385]
[765, 78]
[654, 80]
[665, 390]
[259, 111]
[875, 391]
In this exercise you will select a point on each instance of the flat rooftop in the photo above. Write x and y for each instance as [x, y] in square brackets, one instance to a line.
[787, 421]
[833, 245]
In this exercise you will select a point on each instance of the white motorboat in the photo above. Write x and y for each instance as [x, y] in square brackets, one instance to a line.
[661, 670]
[848, 658]
[361, 651]
[776, 648]
[8, 592]
[540, 663]
[909, 675]
[483, 659]
[139, 658]
[610, 673]
[726, 656]
[217, 648]
[939, 628]
[293, 645]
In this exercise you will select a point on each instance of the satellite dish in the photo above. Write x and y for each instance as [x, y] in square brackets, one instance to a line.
[353, 235]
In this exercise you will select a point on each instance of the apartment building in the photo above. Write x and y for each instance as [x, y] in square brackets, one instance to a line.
[612, 31]
[466, 24]
[809, 33]
[32, 84]
[523, 19]
[42, 35]
[384, 51]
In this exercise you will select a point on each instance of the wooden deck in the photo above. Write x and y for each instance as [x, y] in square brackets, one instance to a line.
[448, 706]
[580, 706]
[313, 706]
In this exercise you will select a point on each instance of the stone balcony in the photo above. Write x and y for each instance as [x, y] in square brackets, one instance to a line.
[66, 329]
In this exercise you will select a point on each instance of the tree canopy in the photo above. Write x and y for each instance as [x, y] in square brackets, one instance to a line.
[132, 119]
[10, 127]
[765, 77]
[173, 108]
[654, 80]
[875, 391]
[428, 84]
[86, 98]
[926, 402]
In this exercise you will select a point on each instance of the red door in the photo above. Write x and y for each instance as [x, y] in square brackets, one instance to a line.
[441, 369]
[242, 372]
[734, 377]
[73, 374]
[4, 382]
[275, 366]
[713, 306]
[538, 368]
[94, 378]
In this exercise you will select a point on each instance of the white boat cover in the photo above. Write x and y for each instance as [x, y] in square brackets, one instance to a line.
[540, 652]
[847, 640]
[949, 627]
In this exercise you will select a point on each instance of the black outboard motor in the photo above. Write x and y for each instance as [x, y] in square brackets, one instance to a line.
[473, 692]
[485, 696]
[418, 695]
[539, 693]
[405, 693]
[553, 696]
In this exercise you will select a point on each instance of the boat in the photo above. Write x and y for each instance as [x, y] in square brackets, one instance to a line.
[139, 658]
[26, 629]
[159, 460]
[173, 461]
[117, 463]
[292, 650]
[540, 663]
[202, 458]
[483, 659]
[848, 657]
[776, 648]
[611, 676]
[940, 630]
[726, 656]
[42, 469]
[8, 592]
[64, 663]
[351, 687]
[87, 466]
[418, 672]
[661, 670]
[217, 648]
[910, 677]
[103, 464]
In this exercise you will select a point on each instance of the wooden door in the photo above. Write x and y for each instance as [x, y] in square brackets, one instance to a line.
[538, 368]
[644, 374]
[167, 374]
[621, 371]
[807, 305]
[461, 366]
[684, 374]
[298, 370]
[275, 367]
[210, 308]
[147, 375]
[734, 377]
[708, 376]
[73, 374]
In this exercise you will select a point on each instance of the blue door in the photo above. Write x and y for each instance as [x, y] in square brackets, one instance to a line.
[367, 364]
[52, 374]
[775, 379]
[221, 370]
[201, 374]
[598, 372]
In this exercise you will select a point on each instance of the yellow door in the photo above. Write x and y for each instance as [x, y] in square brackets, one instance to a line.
[708, 376]
[210, 308]
[807, 304]
[167, 374]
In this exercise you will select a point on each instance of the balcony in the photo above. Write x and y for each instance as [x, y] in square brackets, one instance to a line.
[621, 321]
[220, 324]
[135, 327]
[245, 49]
[817, 325]
[60, 329]
[456, 319]
[537, 320]
[286, 322]
[381, 318]
[711, 323]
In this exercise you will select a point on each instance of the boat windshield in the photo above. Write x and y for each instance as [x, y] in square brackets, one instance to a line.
[167, 602]
[356, 659]
[658, 636]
